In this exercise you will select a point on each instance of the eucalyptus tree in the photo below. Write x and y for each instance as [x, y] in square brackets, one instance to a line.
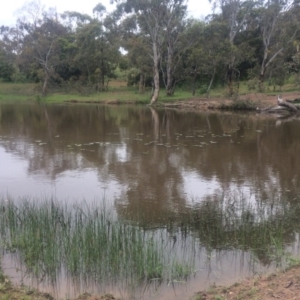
[70, 69]
[295, 66]
[73, 19]
[97, 48]
[174, 25]
[41, 46]
[11, 40]
[150, 18]
[107, 54]
[7, 56]
[138, 53]
[193, 58]
[159, 20]
[279, 26]
[6, 64]
[206, 57]
[35, 40]
[235, 13]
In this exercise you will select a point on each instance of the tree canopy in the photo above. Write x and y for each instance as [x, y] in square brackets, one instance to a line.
[156, 44]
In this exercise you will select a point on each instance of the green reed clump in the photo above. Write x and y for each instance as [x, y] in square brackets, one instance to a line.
[86, 241]
[234, 222]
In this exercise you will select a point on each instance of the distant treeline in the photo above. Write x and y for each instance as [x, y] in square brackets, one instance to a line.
[154, 43]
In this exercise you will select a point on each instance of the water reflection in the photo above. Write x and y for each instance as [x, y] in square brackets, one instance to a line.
[157, 166]
[163, 156]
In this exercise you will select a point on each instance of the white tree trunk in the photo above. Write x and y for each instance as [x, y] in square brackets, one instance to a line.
[155, 74]
[45, 84]
[170, 72]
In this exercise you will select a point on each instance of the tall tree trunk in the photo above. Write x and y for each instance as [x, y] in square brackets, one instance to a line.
[230, 75]
[261, 80]
[170, 90]
[155, 73]
[45, 83]
[265, 64]
[211, 82]
[89, 75]
[156, 87]
[263, 70]
[229, 80]
[102, 73]
[194, 85]
[142, 83]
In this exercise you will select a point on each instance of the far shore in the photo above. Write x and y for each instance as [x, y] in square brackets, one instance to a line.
[118, 94]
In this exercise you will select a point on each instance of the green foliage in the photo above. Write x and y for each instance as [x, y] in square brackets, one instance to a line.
[6, 71]
[6, 66]
[245, 40]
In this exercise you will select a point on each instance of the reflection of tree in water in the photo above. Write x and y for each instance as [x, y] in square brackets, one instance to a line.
[160, 150]
[227, 222]
[151, 151]
[56, 128]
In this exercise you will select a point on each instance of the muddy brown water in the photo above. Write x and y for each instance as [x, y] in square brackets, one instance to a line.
[151, 165]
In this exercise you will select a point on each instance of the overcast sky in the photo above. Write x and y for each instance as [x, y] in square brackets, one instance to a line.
[197, 8]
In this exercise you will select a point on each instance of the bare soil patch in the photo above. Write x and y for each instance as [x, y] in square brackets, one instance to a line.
[280, 285]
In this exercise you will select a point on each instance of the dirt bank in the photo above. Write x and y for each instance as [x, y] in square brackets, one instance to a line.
[280, 285]
[254, 99]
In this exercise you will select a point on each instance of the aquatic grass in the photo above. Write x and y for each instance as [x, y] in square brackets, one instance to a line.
[181, 272]
[228, 222]
[89, 242]
[85, 241]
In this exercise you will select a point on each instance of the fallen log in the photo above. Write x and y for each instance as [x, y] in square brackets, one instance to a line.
[273, 109]
[282, 107]
[296, 100]
[289, 106]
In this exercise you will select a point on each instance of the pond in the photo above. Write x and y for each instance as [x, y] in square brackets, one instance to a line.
[216, 193]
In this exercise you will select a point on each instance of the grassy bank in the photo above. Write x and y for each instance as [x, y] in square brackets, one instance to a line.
[118, 92]
[17, 92]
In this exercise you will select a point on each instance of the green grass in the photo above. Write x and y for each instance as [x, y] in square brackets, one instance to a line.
[17, 91]
[118, 92]
[121, 95]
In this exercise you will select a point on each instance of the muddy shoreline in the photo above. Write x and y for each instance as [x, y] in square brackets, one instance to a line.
[283, 284]
[250, 101]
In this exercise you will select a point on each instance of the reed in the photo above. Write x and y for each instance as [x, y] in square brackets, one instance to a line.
[263, 228]
[87, 242]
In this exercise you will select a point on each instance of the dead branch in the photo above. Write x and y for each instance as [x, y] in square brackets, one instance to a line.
[289, 106]
[283, 107]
